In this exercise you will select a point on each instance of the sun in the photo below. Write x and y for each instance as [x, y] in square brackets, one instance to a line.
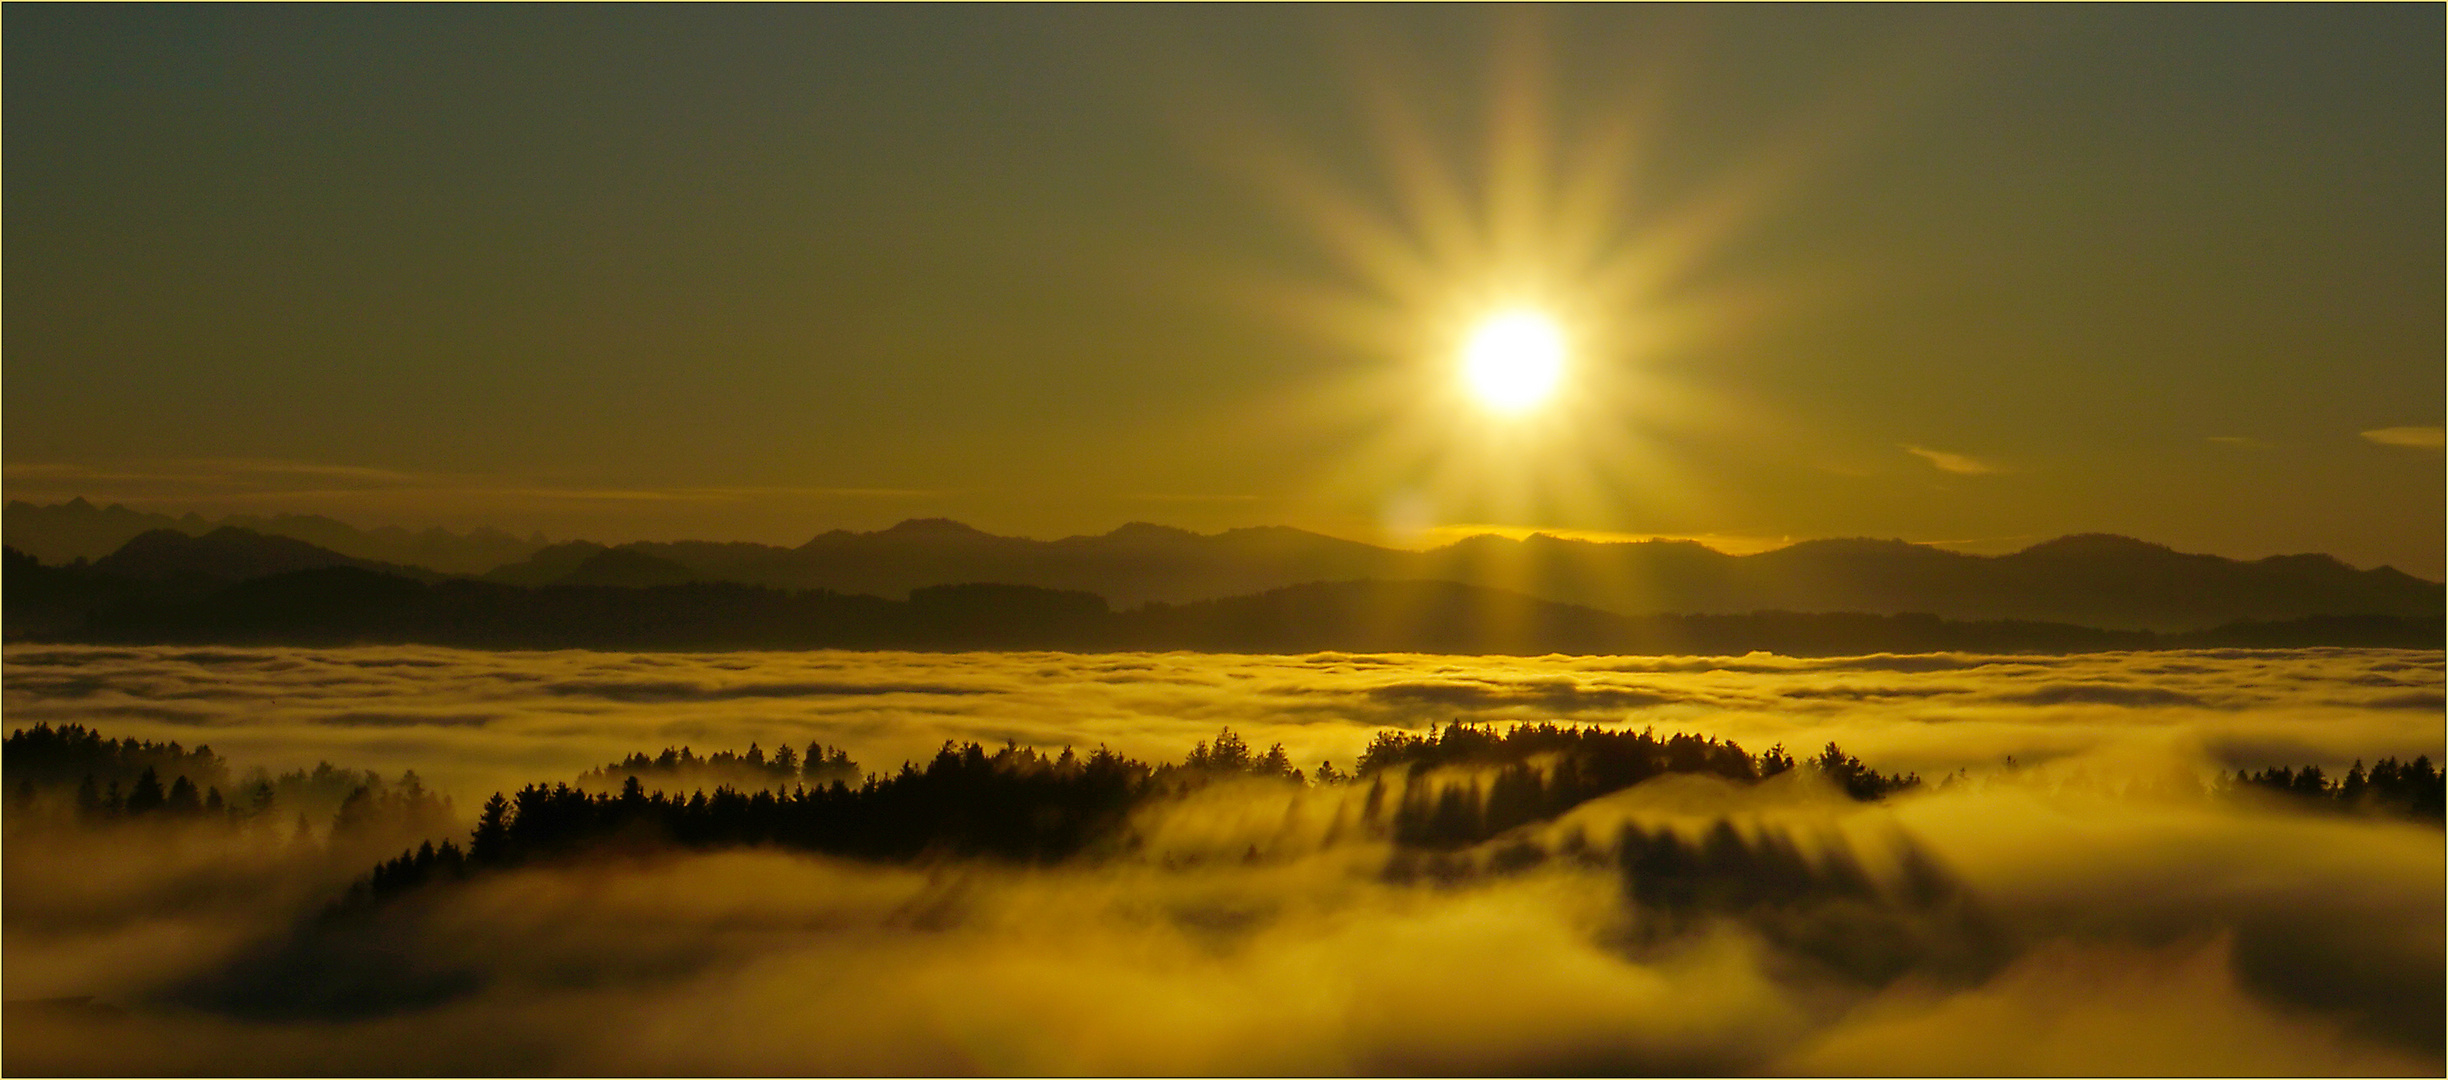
[1514, 360]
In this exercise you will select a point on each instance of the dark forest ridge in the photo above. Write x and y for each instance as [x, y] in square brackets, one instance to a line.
[2089, 580]
[343, 604]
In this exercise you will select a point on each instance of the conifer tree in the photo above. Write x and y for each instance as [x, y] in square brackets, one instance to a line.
[490, 842]
[147, 796]
[182, 800]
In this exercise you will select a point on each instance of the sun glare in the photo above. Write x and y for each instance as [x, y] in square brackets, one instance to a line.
[1514, 360]
[1519, 293]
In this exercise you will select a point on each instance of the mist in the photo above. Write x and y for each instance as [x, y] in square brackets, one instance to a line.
[475, 722]
[2090, 906]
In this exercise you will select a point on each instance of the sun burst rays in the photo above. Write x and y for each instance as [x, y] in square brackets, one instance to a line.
[1443, 229]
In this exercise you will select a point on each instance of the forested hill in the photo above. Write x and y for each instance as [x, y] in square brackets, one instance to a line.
[348, 604]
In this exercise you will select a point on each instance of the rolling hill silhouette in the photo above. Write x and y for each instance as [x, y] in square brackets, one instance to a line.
[2093, 580]
[225, 556]
[160, 568]
[345, 605]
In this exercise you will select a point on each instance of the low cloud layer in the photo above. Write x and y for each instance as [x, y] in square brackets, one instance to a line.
[2087, 910]
[475, 722]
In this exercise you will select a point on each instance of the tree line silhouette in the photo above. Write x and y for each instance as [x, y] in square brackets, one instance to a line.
[42, 756]
[1533, 772]
[2409, 789]
[1015, 803]
[123, 780]
[1462, 785]
[1021, 804]
[749, 770]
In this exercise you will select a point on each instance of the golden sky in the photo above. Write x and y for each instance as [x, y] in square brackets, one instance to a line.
[1974, 276]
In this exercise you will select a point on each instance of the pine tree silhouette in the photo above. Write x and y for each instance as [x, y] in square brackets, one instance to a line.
[147, 796]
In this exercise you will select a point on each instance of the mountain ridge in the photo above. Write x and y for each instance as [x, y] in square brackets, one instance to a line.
[65, 532]
[2092, 579]
[2085, 579]
[343, 604]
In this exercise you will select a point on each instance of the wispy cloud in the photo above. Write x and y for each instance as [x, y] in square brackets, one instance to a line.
[1164, 497]
[2418, 438]
[1962, 464]
[703, 494]
[215, 480]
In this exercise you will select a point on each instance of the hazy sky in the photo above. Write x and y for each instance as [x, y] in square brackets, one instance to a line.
[1980, 275]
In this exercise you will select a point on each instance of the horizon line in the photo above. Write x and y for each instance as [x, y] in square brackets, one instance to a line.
[1730, 545]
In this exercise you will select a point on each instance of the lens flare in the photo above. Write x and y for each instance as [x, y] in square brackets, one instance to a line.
[1518, 297]
[1514, 360]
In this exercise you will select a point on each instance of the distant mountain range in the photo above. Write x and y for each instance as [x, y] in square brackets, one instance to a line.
[179, 564]
[2106, 582]
[77, 529]
[344, 604]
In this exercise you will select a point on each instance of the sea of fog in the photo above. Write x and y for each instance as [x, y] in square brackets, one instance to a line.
[2094, 909]
[474, 722]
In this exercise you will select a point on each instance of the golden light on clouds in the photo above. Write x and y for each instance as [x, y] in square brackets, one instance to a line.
[2419, 438]
[1948, 461]
[1264, 911]
[1727, 543]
